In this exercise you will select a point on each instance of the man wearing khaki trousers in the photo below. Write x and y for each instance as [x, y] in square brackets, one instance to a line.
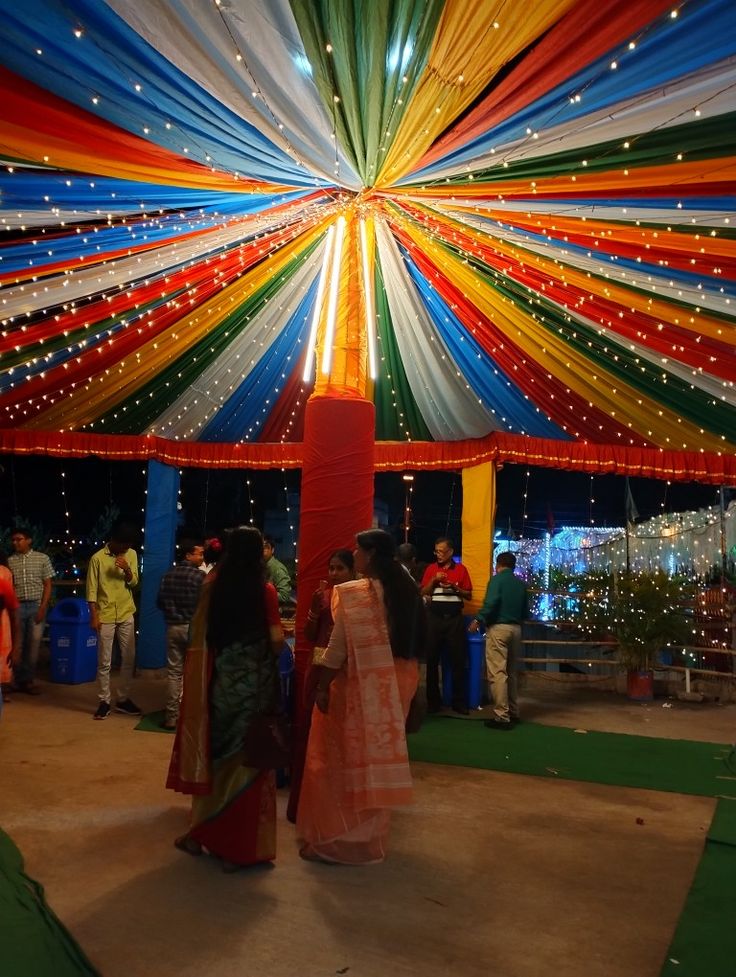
[504, 610]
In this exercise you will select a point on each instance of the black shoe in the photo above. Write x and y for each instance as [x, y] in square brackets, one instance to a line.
[103, 711]
[431, 710]
[498, 724]
[461, 710]
[127, 707]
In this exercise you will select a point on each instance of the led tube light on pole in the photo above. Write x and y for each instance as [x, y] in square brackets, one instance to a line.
[318, 304]
[334, 289]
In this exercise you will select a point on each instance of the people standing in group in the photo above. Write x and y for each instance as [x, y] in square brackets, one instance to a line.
[112, 575]
[177, 598]
[32, 580]
[447, 585]
[230, 677]
[357, 769]
[504, 610]
[317, 630]
[276, 572]
[10, 628]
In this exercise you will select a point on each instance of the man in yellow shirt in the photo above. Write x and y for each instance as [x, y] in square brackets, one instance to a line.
[111, 576]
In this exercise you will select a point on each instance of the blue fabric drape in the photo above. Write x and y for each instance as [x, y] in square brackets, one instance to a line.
[162, 489]
[513, 411]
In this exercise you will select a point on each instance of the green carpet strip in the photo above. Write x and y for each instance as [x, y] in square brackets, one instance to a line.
[34, 941]
[151, 723]
[681, 766]
[704, 944]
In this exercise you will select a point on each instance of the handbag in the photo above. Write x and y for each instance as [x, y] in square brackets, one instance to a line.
[267, 740]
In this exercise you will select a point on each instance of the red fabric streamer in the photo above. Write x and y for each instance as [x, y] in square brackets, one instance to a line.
[706, 467]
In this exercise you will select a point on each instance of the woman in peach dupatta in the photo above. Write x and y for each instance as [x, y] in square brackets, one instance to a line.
[357, 766]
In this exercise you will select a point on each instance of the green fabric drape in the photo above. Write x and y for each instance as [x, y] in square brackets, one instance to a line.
[34, 942]
[709, 139]
[357, 70]
[134, 414]
[397, 415]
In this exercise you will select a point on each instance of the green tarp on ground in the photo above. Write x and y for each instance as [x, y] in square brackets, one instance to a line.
[34, 942]
[681, 766]
[704, 944]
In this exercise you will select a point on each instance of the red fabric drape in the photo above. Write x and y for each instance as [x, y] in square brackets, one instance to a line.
[336, 496]
[605, 459]
[587, 31]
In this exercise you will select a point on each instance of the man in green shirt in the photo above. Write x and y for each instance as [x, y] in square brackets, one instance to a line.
[504, 610]
[276, 572]
[111, 576]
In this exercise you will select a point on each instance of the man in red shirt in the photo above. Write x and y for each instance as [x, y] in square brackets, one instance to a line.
[447, 584]
[9, 603]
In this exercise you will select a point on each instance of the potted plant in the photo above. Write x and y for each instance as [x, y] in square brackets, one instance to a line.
[645, 613]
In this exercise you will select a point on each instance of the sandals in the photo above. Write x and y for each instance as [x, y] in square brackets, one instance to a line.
[188, 845]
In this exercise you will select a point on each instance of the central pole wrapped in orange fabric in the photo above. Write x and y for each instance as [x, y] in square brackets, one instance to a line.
[336, 499]
[339, 436]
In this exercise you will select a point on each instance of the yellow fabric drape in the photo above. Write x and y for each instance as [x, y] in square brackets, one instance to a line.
[102, 391]
[348, 375]
[695, 320]
[468, 51]
[479, 513]
[608, 393]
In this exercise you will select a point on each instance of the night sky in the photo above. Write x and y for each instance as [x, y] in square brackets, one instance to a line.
[32, 488]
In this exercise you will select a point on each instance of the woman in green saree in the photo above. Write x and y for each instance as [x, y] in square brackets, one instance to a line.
[230, 676]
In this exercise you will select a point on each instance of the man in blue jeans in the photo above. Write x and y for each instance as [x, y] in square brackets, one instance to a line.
[32, 575]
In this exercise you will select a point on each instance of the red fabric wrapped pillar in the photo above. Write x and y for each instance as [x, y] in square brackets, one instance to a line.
[336, 500]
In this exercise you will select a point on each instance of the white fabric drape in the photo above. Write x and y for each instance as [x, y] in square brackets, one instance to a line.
[711, 90]
[186, 417]
[450, 408]
[22, 299]
[195, 35]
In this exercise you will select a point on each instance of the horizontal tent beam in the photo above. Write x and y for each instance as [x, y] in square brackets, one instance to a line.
[710, 468]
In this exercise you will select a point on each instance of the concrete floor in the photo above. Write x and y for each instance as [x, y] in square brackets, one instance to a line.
[489, 873]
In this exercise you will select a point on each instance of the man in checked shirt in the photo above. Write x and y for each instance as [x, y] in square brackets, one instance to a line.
[178, 594]
[32, 575]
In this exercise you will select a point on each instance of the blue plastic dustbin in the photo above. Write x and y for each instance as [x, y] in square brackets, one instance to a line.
[73, 643]
[475, 645]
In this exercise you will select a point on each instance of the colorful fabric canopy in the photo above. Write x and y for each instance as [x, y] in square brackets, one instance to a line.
[485, 217]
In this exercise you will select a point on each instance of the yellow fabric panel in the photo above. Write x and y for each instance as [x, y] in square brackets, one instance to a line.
[467, 53]
[102, 391]
[629, 406]
[696, 321]
[479, 513]
[348, 373]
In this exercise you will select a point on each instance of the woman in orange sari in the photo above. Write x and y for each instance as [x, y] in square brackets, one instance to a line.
[357, 767]
[317, 630]
[230, 676]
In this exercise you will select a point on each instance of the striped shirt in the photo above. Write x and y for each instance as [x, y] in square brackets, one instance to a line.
[30, 570]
